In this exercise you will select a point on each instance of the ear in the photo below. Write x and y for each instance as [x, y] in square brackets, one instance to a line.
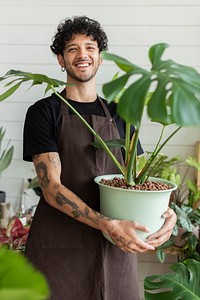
[100, 59]
[60, 60]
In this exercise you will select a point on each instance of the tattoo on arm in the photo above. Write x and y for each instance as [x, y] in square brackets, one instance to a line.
[76, 211]
[54, 159]
[41, 170]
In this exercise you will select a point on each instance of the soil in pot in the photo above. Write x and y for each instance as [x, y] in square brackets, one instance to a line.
[147, 186]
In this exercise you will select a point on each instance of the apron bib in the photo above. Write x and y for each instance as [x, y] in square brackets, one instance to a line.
[78, 262]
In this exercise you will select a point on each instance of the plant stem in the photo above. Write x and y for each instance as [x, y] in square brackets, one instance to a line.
[96, 135]
[143, 173]
[127, 141]
[132, 158]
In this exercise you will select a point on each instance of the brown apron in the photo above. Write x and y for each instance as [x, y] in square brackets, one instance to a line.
[78, 262]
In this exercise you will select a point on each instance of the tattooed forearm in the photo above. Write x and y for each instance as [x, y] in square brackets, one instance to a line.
[61, 200]
[54, 159]
[100, 216]
[77, 212]
[41, 170]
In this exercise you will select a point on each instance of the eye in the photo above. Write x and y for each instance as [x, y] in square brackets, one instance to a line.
[91, 48]
[72, 49]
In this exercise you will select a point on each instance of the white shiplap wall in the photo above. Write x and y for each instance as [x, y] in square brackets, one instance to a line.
[26, 28]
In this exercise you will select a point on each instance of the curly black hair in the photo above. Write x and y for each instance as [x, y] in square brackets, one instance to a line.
[78, 25]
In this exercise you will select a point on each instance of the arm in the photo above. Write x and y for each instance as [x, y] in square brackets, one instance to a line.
[122, 232]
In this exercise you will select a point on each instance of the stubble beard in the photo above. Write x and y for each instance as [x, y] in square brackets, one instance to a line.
[79, 78]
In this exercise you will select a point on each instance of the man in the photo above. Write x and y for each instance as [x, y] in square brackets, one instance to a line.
[65, 240]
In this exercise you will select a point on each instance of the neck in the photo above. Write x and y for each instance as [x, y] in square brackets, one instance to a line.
[81, 92]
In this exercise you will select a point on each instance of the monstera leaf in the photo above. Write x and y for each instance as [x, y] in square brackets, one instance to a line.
[18, 279]
[183, 284]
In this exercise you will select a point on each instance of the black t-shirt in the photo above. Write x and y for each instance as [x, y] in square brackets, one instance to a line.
[43, 123]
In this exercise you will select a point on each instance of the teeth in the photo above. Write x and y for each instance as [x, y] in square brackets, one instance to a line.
[82, 65]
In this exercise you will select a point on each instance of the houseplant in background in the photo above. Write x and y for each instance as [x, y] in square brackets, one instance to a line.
[169, 91]
[185, 201]
[182, 284]
[5, 159]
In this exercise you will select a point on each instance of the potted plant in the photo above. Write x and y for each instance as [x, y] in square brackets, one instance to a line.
[5, 159]
[170, 93]
[183, 283]
[185, 202]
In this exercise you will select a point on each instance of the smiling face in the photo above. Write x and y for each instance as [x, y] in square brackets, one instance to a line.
[81, 58]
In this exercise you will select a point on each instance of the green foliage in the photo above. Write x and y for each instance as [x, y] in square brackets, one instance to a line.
[184, 202]
[5, 155]
[174, 98]
[183, 284]
[169, 91]
[18, 279]
[190, 246]
[20, 77]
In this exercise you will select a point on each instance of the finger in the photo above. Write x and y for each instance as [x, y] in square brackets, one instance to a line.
[140, 227]
[160, 240]
[141, 245]
[169, 212]
[167, 227]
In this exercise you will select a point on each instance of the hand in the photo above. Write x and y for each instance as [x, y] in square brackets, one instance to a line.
[163, 235]
[123, 234]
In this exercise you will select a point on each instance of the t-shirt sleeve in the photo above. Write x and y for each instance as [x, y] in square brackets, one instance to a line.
[39, 132]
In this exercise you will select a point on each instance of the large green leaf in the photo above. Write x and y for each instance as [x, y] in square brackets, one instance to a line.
[175, 87]
[121, 62]
[22, 76]
[155, 53]
[183, 284]
[185, 106]
[157, 106]
[132, 102]
[112, 89]
[19, 279]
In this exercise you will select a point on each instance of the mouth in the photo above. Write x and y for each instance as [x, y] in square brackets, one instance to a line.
[82, 64]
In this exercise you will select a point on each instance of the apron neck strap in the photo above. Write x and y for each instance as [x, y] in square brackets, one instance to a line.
[65, 108]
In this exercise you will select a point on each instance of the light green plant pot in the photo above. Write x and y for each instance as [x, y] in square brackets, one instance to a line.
[145, 207]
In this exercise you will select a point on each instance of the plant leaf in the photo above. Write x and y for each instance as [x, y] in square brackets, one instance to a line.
[121, 62]
[6, 158]
[132, 102]
[157, 109]
[185, 105]
[18, 278]
[24, 77]
[191, 161]
[10, 91]
[183, 284]
[155, 53]
[112, 89]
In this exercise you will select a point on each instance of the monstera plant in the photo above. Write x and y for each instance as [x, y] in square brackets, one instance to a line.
[170, 92]
[182, 284]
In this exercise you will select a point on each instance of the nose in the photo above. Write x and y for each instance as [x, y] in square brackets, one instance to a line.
[82, 53]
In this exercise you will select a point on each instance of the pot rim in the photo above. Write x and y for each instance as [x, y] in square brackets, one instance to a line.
[97, 179]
